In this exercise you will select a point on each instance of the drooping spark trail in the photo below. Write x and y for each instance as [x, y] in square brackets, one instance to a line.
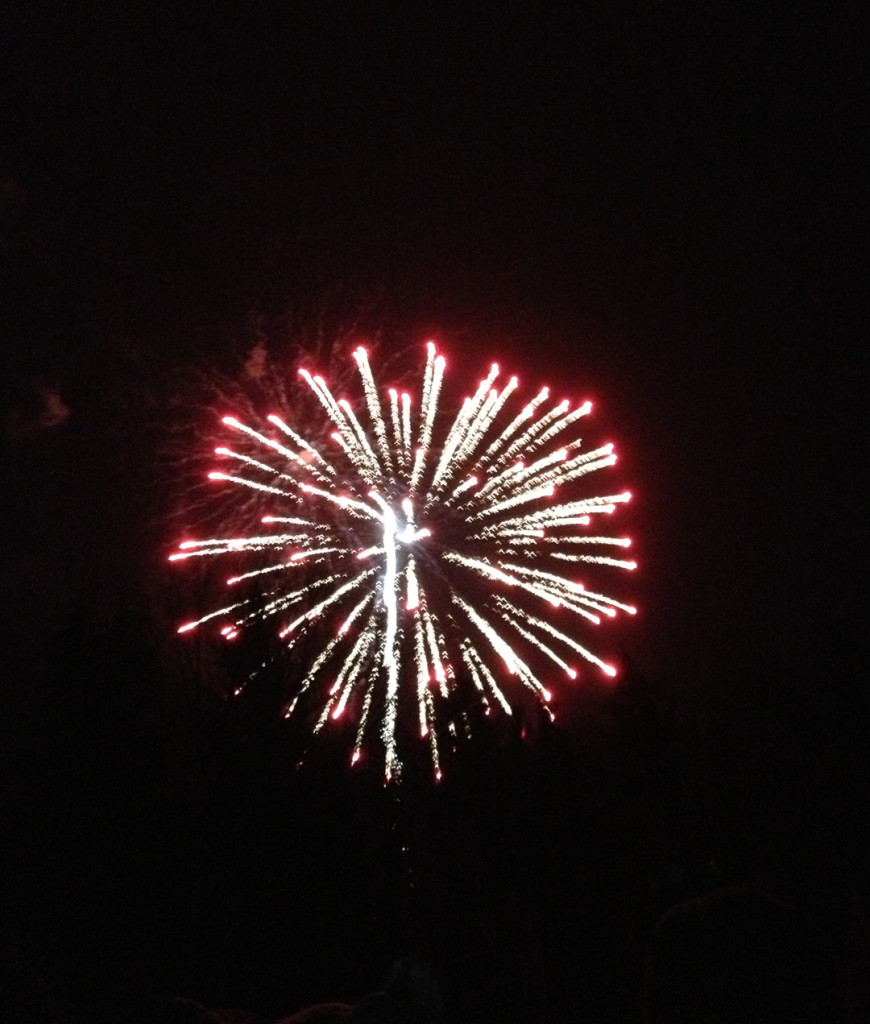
[418, 568]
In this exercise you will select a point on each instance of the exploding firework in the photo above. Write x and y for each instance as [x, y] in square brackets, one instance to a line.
[417, 556]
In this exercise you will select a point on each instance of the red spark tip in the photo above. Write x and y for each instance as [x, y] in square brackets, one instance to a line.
[609, 670]
[393, 393]
[438, 775]
[572, 672]
[187, 627]
[214, 475]
[231, 421]
[222, 451]
[547, 695]
[354, 757]
[337, 713]
[631, 565]
[631, 610]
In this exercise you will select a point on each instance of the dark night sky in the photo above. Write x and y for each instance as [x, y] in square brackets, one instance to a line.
[659, 210]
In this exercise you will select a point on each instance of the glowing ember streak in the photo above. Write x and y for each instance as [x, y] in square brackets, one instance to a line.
[429, 554]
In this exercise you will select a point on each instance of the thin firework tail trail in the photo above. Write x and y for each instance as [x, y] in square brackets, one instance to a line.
[418, 556]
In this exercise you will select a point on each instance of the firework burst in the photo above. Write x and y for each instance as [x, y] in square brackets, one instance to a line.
[417, 555]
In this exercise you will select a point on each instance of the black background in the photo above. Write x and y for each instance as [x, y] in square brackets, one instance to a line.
[656, 208]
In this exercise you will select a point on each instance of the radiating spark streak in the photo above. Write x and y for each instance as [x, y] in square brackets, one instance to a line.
[499, 645]
[352, 667]
[303, 444]
[231, 421]
[240, 543]
[515, 424]
[434, 652]
[258, 572]
[211, 615]
[389, 581]
[541, 646]
[622, 542]
[571, 642]
[396, 420]
[296, 522]
[314, 552]
[346, 435]
[371, 394]
[342, 500]
[472, 657]
[493, 572]
[253, 484]
[523, 498]
[464, 486]
[355, 613]
[361, 439]
[521, 478]
[363, 718]
[465, 548]
[406, 430]
[412, 600]
[524, 441]
[460, 438]
[196, 549]
[321, 606]
[429, 412]
[595, 560]
[229, 453]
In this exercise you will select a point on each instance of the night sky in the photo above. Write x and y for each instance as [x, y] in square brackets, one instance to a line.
[658, 210]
